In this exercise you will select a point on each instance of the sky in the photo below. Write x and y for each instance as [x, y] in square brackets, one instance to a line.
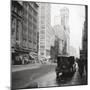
[76, 20]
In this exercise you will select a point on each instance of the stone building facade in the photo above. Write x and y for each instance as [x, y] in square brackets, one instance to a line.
[83, 51]
[24, 28]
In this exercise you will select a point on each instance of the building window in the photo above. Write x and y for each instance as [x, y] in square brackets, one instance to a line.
[30, 35]
[42, 53]
[34, 19]
[19, 28]
[42, 36]
[35, 13]
[43, 26]
[15, 9]
[24, 32]
[42, 32]
[42, 20]
[30, 17]
[13, 27]
[42, 47]
[30, 9]
[12, 7]
[19, 12]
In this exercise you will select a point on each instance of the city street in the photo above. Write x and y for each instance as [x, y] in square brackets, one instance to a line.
[43, 76]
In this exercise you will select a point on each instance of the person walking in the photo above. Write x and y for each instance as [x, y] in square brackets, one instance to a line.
[81, 67]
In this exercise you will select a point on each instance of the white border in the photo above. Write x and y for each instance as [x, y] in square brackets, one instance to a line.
[5, 43]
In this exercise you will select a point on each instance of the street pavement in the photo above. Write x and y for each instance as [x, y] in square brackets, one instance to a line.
[43, 75]
[49, 80]
[24, 77]
[15, 68]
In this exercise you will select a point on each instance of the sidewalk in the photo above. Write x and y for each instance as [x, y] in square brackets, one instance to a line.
[15, 68]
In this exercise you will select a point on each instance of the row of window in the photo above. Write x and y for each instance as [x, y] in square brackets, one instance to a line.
[17, 31]
[17, 8]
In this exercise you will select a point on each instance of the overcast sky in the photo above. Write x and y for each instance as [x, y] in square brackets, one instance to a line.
[76, 20]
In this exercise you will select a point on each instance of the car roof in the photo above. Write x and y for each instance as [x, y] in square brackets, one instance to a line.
[63, 56]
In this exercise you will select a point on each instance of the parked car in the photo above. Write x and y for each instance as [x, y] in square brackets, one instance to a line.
[18, 60]
[65, 66]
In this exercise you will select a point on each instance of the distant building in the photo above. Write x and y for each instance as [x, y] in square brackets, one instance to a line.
[62, 31]
[60, 38]
[24, 28]
[44, 30]
[64, 13]
[57, 20]
[72, 51]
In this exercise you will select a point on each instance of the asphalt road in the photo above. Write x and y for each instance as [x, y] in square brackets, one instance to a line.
[23, 78]
[44, 76]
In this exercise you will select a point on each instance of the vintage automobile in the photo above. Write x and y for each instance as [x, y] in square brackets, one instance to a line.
[65, 66]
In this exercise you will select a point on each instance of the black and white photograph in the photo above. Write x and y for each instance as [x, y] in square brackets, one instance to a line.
[49, 44]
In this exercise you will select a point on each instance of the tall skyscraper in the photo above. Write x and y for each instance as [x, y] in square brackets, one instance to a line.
[62, 31]
[64, 13]
[44, 29]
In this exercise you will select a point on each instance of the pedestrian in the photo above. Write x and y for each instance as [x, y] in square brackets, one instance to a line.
[81, 67]
[20, 59]
[86, 66]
